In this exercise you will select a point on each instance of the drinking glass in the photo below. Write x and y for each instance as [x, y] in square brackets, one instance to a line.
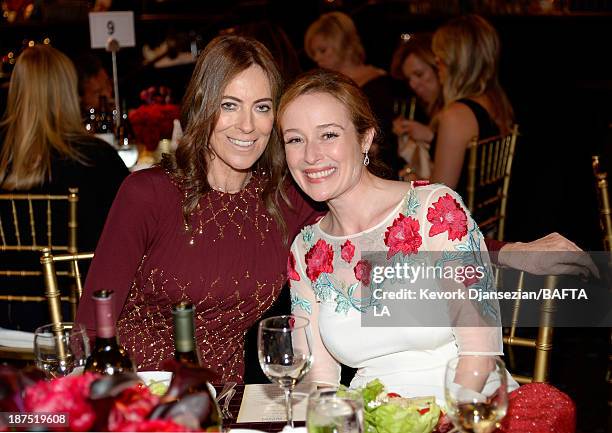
[284, 345]
[329, 412]
[476, 392]
[62, 350]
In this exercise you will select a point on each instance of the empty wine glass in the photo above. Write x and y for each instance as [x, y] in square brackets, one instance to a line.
[476, 392]
[61, 350]
[284, 346]
[330, 412]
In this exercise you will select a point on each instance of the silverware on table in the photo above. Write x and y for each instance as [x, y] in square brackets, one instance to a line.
[225, 412]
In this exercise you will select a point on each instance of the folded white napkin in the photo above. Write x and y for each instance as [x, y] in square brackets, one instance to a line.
[12, 338]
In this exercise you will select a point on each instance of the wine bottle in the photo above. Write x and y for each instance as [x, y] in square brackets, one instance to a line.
[185, 350]
[107, 356]
[186, 353]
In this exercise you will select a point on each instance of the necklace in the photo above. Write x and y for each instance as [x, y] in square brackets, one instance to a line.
[244, 183]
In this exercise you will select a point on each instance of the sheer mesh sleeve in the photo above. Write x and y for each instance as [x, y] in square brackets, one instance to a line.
[454, 240]
[325, 369]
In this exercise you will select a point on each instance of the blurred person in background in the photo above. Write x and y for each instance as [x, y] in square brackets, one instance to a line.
[414, 62]
[475, 105]
[95, 85]
[46, 150]
[332, 41]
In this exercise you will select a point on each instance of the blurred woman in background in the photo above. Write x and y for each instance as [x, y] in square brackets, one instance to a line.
[475, 105]
[414, 62]
[46, 150]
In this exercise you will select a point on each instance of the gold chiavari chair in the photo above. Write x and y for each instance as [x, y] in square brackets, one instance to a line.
[48, 261]
[605, 219]
[489, 168]
[29, 223]
[542, 344]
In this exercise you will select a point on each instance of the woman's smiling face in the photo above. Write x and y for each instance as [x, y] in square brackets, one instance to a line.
[246, 118]
[323, 150]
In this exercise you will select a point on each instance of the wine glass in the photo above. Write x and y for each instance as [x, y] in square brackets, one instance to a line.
[61, 350]
[476, 392]
[284, 346]
[331, 412]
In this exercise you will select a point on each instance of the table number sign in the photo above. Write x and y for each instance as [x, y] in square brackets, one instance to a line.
[111, 25]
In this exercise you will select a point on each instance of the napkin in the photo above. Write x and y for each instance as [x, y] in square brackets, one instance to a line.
[12, 338]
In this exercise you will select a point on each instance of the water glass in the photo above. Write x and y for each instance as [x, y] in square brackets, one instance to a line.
[284, 345]
[476, 392]
[329, 412]
[61, 350]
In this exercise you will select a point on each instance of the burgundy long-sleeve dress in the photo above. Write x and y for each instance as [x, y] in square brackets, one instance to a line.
[231, 263]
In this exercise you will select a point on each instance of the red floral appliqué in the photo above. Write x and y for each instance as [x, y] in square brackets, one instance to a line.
[363, 269]
[446, 215]
[319, 260]
[291, 272]
[470, 275]
[403, 236]
[347, 251]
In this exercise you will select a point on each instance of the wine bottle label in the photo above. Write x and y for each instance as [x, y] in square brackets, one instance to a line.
[104, 316]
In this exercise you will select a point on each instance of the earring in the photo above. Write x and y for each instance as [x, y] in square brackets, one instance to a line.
[366, 159]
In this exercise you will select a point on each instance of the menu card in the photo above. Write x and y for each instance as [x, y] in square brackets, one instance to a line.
[266, 403]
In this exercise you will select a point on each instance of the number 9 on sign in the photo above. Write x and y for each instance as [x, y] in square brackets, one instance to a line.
[110, 26]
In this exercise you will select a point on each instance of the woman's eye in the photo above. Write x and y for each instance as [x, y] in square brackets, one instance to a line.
[263, 108]
[330, 135]
[292, 140]
[228, 106]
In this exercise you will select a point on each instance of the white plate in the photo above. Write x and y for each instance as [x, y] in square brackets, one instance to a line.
[166, 377]
[245, 430]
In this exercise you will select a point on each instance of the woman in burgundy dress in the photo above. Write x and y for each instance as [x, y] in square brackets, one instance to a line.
[212, 225]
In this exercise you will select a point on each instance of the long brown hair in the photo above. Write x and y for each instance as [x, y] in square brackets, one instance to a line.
[42, 116]
[349, 94]
[222, 59]
[469, 48]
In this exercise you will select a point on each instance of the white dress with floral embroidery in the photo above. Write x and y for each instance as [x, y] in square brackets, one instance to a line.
[330, 284]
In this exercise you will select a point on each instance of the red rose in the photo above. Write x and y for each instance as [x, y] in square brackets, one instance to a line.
[403, 235]
[447, 215]
[132, 406]
[319, 260]
[291, 272]
[347, 251]
[363, 269]
[67, 394]
[153, 425]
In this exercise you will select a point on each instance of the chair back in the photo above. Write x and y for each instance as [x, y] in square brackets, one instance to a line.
[29, 223]
[52, 290]
[605, 215]
[605, 220]
[489, 169]
[542, 344]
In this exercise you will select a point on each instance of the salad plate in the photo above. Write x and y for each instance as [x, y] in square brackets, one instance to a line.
[159, 381]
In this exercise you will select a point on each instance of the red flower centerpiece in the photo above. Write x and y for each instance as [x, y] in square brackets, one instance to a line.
[403, 236]
[319, 260]
[446, 215]
[154, 119]
[91, 402]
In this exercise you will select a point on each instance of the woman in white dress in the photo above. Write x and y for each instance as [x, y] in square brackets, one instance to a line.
[328, 128]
